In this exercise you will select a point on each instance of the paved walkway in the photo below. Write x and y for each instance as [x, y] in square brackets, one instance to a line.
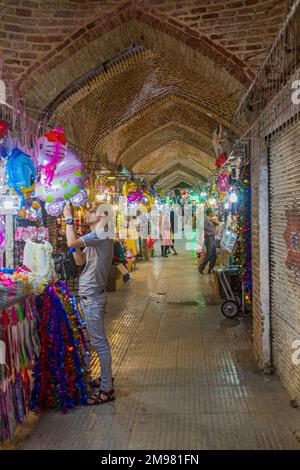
[184, 375]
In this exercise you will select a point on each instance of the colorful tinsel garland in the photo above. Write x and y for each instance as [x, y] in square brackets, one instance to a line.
[61, 373]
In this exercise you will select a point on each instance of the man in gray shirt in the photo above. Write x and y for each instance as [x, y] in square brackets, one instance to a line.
[97, 257]
[210, 224]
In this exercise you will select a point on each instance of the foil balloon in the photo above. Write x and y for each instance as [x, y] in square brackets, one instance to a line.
[129, 187]
[148, 200]
[68, 181]
[223, 182]
[135, 196]
[55, 209]
[51, 149]
[21, 174]
[79, 199]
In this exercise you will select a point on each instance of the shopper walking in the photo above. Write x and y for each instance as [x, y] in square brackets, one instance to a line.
[97, 256]
[143, 233]
[165, 230]
[210, 224]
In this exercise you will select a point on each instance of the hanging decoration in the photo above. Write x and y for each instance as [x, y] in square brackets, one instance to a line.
[61, 373]
[223, 182]
[4, 126]
[52, 148]
[221, 160]
[62, 173]
[21, 174]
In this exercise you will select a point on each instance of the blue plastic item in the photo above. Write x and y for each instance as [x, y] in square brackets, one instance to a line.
[7, 270]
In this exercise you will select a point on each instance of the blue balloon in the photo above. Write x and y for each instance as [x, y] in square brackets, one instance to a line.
[21, 173]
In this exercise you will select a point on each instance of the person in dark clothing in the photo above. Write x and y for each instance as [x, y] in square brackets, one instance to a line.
[172, 247]
[210, 224]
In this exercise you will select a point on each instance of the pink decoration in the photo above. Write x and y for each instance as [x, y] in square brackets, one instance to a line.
[135, 196]
[69, 178]
[54, 209]
[223, 182]
[52, 148]
[79, 199]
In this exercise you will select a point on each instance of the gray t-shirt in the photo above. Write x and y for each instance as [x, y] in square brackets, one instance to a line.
[209, 227]
[99, 256]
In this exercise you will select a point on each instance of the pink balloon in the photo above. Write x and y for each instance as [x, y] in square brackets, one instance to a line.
[68, 180]
[51, 149]
[223, 182]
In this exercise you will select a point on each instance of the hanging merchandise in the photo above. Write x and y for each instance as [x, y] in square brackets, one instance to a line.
[221, 160]
[148, 200]
[52, 148]
[4, 126]
[21, 174]
[223, 182]
[19, 348]
[38, 259]
[62, 173]
[61, 373]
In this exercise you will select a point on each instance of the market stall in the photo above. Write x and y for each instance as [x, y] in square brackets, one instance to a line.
[228, 194]
[43, 346]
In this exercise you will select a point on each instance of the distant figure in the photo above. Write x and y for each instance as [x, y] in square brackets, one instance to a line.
[210, 224]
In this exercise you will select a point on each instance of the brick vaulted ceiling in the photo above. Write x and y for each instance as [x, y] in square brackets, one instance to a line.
[140, 82]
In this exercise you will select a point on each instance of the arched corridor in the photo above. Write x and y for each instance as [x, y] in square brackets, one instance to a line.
[185, 375]
[131, 111]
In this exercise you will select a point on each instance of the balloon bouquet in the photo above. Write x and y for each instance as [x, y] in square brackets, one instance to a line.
[62, 174]
[59, 176]
[138, 195]
[20, 173]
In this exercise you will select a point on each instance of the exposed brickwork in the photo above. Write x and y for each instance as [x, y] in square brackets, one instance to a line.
[160, 115]
[171, 153]
[139, 106]
[234, 34]
[160, 137]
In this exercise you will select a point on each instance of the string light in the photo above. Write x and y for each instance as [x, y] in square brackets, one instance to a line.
[233, 197]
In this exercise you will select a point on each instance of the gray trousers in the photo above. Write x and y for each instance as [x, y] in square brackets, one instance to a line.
[94, 311]
[211, 253]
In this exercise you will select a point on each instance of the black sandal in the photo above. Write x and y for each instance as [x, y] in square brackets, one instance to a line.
[96, 383]
[97, 398]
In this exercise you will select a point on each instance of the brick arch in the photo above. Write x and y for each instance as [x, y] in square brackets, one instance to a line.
[167, 132]
[176, 177]
[101, 39]
[160, 159]
[176, 166]
[111, 104]
[162, 136]
[162, 113]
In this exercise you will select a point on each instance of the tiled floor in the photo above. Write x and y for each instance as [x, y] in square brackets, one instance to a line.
[184, 375]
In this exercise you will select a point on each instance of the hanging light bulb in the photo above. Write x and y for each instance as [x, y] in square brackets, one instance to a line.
[233, 197]
[226, 205]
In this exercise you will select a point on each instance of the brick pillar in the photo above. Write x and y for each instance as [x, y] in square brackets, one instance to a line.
[260, 254]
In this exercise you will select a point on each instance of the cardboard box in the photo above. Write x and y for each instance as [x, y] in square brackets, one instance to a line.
[115, 279]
